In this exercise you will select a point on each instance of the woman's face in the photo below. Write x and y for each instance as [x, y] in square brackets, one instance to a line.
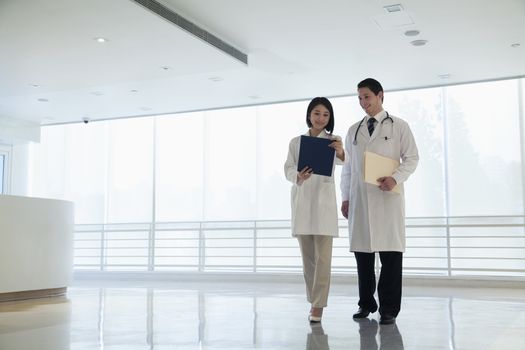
[319, 117]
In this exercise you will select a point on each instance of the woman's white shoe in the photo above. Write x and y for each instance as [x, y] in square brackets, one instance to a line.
[314, 319]
[315, 315]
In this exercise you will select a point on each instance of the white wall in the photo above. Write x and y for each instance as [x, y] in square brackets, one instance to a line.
[36, 243]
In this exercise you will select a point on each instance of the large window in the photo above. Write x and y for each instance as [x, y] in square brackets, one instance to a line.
[130, 171]
[179, 164]
[423, 110]
[230, 158]
[71, 163]
[484, 152]
[206, 190]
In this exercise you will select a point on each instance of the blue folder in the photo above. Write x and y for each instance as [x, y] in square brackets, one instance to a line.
[315, 153]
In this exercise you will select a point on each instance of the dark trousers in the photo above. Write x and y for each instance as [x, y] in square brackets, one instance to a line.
[389, 286]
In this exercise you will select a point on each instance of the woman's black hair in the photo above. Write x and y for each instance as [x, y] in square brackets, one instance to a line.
[326, 103]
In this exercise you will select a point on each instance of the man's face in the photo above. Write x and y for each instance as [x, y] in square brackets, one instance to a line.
[372, 104]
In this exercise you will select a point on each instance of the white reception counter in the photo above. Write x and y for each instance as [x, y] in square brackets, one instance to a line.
[36, 247]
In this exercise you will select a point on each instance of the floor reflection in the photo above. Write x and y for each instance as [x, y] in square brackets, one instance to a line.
[389, 336]
[317, 339]
[25, 325]
[253, 316]
[367, 334]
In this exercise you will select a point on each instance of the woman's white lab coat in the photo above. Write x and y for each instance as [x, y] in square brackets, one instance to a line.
[314, 207]
[376, 218]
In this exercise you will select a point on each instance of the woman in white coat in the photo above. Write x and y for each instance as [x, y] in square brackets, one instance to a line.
[314, 207]
[376, 215]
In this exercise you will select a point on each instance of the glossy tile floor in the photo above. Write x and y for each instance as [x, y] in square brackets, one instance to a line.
[198, 315]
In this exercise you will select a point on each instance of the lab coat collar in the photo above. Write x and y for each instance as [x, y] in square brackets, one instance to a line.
[322, 134]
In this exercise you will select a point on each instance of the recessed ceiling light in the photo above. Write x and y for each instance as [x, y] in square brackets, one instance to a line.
[145, 108]
[393, 8]
[166, 67]
[216, 79]
[97, 93]
[515, 45]
[412, 32]
[254, 97]
[419, 42]
[35, 85]
[444, 76]
[101, 40]
[43, 100]
[133, 90]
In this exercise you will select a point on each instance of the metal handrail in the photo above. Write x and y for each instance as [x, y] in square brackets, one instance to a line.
[246, 255]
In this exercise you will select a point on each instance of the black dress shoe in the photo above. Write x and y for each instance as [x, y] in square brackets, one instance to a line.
[387, 319]
[362, 313]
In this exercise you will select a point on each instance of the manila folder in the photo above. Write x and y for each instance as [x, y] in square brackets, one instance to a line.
[377, 166]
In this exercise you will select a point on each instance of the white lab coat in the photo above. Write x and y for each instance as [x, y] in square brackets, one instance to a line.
[376, 218]
[314, 207]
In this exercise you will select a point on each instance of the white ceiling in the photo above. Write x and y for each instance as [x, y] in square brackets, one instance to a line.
[297, 49]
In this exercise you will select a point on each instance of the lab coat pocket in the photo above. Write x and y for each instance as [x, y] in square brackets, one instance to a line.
[326, 179]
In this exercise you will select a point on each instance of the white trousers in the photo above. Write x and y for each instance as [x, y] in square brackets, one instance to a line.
[316, 251]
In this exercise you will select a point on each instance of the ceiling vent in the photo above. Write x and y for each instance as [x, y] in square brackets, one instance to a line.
[193, 29]
[393, 8]
[395, 18]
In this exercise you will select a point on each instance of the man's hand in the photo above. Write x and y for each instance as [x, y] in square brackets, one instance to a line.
[344, 209]
[386, 183]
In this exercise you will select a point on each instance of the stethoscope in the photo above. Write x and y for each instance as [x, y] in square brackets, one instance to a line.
[362, 121]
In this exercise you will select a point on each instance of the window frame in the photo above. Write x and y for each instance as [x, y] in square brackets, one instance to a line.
[5, 177]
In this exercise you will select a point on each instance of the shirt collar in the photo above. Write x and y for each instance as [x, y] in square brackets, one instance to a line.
[378, 117]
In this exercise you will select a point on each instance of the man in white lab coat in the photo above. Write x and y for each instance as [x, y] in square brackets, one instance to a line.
[375, 213]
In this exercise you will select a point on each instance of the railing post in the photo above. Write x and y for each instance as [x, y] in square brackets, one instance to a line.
[254, 246]
[202, 248]
[449, 251]
[102, 247]
[446, 174]
[151, 247]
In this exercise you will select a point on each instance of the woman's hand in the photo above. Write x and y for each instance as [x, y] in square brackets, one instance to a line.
[337, 144]
[304, 175]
